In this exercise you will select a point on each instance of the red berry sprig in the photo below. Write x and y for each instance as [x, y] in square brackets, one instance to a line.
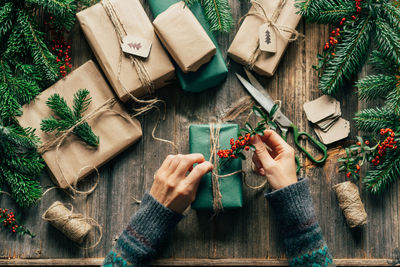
[60, 47]
[9, 222]
[388, 143]
[237, 146]
[242, 143]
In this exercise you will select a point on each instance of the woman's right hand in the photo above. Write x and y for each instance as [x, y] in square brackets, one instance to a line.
[278, 164]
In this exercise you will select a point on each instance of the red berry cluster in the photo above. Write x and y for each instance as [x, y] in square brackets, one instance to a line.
[332, 40]
[236, 147]
[389, 142]
[61, 48]
[8, 221]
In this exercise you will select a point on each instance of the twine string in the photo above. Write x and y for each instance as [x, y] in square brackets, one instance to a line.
[350, 203]
[214, 146]
[271, 21]
[143, 74]
[74, 225]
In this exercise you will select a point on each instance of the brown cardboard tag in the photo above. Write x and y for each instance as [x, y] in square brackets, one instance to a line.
[267, 37]
[136, 46]
[321, 108]
[339, 130]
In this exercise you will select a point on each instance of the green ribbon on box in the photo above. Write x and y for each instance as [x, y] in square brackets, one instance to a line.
[230, 186]
[210, 74]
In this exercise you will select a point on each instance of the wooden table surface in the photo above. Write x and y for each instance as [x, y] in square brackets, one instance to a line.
[247, 236]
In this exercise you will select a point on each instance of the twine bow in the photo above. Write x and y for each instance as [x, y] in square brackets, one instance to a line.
[271, 21]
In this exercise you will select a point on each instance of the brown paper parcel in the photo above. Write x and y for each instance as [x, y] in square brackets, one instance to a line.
[76, 159]
[246, 40]
[103, 39]
[184, 37]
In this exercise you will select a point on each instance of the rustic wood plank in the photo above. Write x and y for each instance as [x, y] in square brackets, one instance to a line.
[245, 237]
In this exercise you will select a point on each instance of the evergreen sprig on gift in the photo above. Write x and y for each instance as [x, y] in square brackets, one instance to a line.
[68, 118]
[20, 164]
[218, 14]
[382, 123]
[359, 23]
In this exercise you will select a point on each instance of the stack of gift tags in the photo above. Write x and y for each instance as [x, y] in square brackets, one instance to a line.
[324, 112]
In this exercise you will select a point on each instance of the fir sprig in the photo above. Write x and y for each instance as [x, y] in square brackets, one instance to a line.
[218, 14]
[362, 22]
[68, 118]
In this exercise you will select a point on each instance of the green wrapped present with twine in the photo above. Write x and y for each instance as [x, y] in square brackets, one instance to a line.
[210, 74]
[223, 188]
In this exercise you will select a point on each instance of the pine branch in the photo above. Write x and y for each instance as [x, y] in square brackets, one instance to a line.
[42, 57]
[383, 63]
[61, 8]
[392, 15]
[371, 120]
[327, 11]
[69, 118]
[379, 179]
[218, 13]
[350, 56]
[6, 18]
[375, 86]
[388, 42]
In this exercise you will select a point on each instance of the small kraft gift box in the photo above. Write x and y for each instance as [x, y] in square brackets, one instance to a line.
[264, 35]
[123, 39]
[210, 74]
[69, 159]
[223, 188]
[184, 37]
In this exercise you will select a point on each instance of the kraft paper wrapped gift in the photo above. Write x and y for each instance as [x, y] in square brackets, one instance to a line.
[231, 187]
[104, 41]
[184, 37]
[210, 74]
[115, 128]
[246, 42]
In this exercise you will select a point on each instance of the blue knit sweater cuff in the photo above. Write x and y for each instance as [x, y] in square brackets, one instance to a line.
[293, 205]
[153, 221]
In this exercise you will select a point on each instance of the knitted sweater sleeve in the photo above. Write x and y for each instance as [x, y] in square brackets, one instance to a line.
[303, 239]
[147, 229]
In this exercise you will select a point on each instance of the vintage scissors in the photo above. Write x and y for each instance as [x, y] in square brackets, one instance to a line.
[258, 92]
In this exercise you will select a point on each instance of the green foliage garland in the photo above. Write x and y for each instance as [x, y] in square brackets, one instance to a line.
[360, 22]
[26, 67]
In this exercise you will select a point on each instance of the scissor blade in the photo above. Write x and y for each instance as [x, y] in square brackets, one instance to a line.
[253, 80]
[265, 102]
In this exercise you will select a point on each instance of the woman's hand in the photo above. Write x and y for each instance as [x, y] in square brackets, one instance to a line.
[278, 164]
[172, 187]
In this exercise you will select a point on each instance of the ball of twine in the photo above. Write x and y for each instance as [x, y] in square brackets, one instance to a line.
[74, 225]
[350, 203]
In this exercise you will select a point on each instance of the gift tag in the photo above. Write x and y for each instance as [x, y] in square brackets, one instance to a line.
[267, 37]
[339, 130]
[137, 46]
[321, 108]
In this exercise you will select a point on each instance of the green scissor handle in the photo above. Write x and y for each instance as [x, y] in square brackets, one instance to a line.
[320, 146]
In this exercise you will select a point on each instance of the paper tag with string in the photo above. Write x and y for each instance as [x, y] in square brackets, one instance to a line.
[136, 46]
[267, 37]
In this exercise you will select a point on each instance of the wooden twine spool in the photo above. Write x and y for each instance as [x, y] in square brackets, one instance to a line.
[73, 225]
[350, 203]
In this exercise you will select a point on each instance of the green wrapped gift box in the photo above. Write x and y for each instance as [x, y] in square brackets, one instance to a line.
[210, 74]
[231, 187]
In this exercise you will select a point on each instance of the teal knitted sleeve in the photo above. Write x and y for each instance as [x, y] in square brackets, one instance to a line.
[147, 229]
[303, 239]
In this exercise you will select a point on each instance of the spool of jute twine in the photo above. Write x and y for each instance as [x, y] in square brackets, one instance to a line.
[75, 226]
[350, 203]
